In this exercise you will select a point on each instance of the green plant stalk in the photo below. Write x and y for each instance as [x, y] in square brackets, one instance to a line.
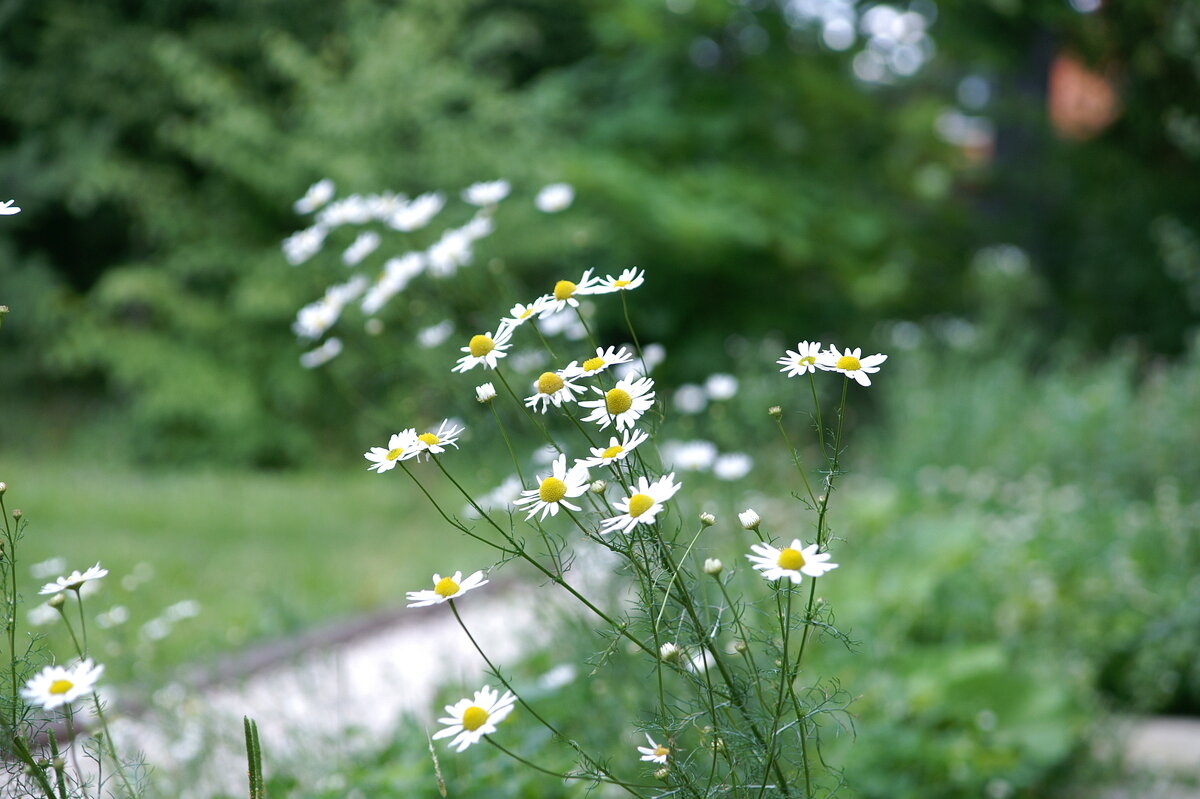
[26, 757]
[591, 338]
[541, 428]
[10, 608]
[556, 579]
[554, 730]
[628, 323]
[628, 786]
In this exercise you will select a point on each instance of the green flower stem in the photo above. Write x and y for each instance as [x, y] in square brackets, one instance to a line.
[112, 749]
[9, 560]
[675, 576]
[452, 522]
[784, 679]
[628, 323]
[796, 460]
[545, 343]
[554, 730]
[555, 578]
[628, 786]
[591, 338]
[541, 428]
[25, 756]
[812, 384]
[504, 432]
[82, 622]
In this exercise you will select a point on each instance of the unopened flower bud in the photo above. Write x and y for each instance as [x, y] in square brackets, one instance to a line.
[485, 393]
[3, 487]
[17, 513]
[706, 518]
[749, 519]
[58, 763]
[775, 411]
[713, 566]
[669, 652]
[739, 646]
[57, 601]
[662, 773]
[598, 487]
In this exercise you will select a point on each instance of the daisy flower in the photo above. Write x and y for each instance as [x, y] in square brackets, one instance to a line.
[485, 349]
[565, 293]
[654, 753]
[400, 447]
[802, 359]
[8, 209]
[521, 313]
[630, 279]
[487, 192]
[554, 388]
[317, 195]
[74, 580]
[851, 364]
[444, 589]
[55, 686]
[555, 489]
[617, 449]
[750, 519]
[554, 198]
[790, 562]
[645, 503]
[416, 213]
[485, 393]
[623, 404]
[604, 358]
[435, 443]
[471, 720]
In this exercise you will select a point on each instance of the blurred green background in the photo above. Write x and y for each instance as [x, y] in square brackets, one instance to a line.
[999, 194]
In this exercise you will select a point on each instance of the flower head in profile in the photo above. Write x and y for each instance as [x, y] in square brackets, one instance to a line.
[485, 349]
[618, 449]
[555, 489]
[417, 212]
[486, 193]
[74, 580]
[485, 393]
[851, 364]
[317, 195]
[55, 686]
[521, 313]
[435, 443]
[642, 505]
[553, 388]
[400, 447]
[445, 589]
[566, 293]
[554, 198]
[790, 562]
[803, 359]
[603, 359]
[469, 720]
[750, 519]
[628, 280]
[654, 753]
[623, 404]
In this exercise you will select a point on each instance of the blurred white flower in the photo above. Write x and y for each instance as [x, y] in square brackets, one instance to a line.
[654, 753]
[486, 192]
[690, 398]
[691, 456]
[317, 195]
[732, 466]
[48, 567]
[74, 581]
[304, 244]
[113, 617]
[397, 272]
[352, 210]
[366, 243]
[41, 615]
[8, 209]
[417, 213]
[721, 386]
[554, 198]
[329, 349]
[432, 336]
[55, 686]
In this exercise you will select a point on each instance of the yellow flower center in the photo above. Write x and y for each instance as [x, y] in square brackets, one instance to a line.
[849, 363]
[395, 453]
[621, 283]
[592, 364]
[661, 751]
[430, 439]
[480, 345]
[552, 490]
[563, 290]
[61, 686]
[639, 504]
[790, 559]
[446, 587]
[528, 312]
[549, 383]
[618, 400]
[612, 452]
[474, 717]
[807, 360]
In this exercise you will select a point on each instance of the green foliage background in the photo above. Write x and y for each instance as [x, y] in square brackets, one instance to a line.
[157, 147]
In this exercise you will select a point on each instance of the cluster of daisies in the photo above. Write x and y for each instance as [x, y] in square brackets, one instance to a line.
[808, 357]
[56, 686]
[391, 211]
[409, 444]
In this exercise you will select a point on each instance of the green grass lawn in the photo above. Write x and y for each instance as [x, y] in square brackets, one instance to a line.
[262, 554]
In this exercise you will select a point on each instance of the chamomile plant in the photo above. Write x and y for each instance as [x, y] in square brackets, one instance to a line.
[729, 705]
